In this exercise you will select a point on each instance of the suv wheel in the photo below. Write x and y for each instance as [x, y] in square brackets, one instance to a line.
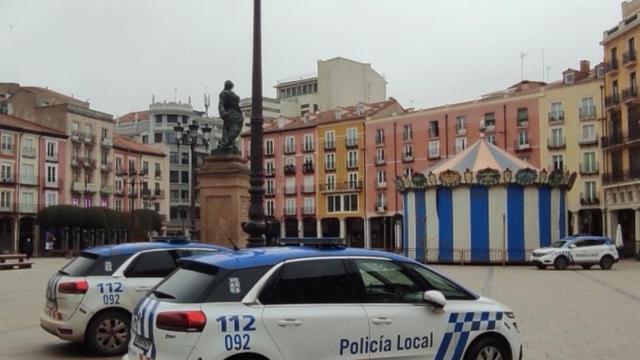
[108, 333]
[561, 263]
[606, 263]
[486, 348]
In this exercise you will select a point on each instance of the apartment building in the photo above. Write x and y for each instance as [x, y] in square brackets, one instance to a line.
[31, 178]
[570, 121]
[621, 141]
[156, 126]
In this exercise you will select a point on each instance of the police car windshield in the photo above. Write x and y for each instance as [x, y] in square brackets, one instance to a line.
[559, 244]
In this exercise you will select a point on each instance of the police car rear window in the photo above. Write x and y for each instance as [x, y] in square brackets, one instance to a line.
[89, 264]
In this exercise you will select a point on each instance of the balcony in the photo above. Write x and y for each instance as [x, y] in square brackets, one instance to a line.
[89, 163]
[620, 176]
[589, 169]
[77, 186]
[341, 186]
[612, 100]
[28, 180]
[330, 145]
[106, 190]
[612, 66]
[290, 190]
[28, 208]
[8, 178]
[379, 141]
[77, 161]
[629, 58]
[589, 199]
[81, 137]
[308, 188]
[289, 149]
[588, 140]
[132, 193]
[629, 94]
[145, 193]
[28, 152]
[119, 192]
[51, 183]
[89, 139]
[556, 117]
[7, 149]
[106, 142]
[91, 188]
[587, 112]
[308, 147]
[517, 146]
[352, 165]
[620, 138]
[352, 143]
[308, 210]
[407, 158]
[290, 211]
[381, 185]
[380, 161]
[307, 168]
[105, 168]
[556, 143]
[289, 170]
[51, 157]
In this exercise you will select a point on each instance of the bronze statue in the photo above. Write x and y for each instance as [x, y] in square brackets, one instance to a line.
[229, 109]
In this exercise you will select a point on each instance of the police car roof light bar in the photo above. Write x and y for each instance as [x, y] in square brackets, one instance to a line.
[323, 242]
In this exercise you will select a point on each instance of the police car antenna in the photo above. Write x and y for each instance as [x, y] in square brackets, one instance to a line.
[235, 247]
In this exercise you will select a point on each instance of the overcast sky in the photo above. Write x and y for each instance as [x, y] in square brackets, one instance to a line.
[118, 53]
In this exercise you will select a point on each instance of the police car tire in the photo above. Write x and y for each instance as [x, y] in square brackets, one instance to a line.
[473, 353]
[561, 263]
[606, 263]
[92, 341]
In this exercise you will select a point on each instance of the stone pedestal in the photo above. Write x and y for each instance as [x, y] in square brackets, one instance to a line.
[223, 181]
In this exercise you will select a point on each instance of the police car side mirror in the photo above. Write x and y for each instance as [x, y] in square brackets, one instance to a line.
[435, 299]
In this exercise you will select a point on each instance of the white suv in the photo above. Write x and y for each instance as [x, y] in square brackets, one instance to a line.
[305, 302]
[581, 250]
[91, 299]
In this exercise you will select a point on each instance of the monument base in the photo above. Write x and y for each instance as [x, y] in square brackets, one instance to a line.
[223, 182]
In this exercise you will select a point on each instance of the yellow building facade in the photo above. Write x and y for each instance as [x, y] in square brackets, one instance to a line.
[621, 142]
[570, 129]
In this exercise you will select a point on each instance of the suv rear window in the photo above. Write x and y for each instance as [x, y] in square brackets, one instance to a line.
[89, 264]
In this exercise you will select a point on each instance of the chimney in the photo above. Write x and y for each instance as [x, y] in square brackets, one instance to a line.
[585, 66]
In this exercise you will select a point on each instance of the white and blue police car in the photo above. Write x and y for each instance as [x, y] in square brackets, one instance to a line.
[583, 250]
[317, 301]
[91, 299]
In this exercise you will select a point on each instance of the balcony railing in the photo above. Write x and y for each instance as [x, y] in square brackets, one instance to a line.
[290, 211]
[290, 190]
[307, 168]
[589, 199]
[81, 137]
[29, 151]
[8, 178]
[523, 122]
[158, 193]
[612, 100]
[289, 149]
[145, 193]
[381, 185]
[588, 140]
[51, 184]
[77, 161]
[268, 152]
[556, 143]
[91, 188]
[119, 191]
[28, 179]
[381, 206]
[341, 186]
[308, 210]
[521, 146]
[628, 57]
[51, 157]
[289, 169]
[556, 117]
[89, 163]
[620, 176]
[380, 161]
[77, 186]
[308, 188]
[330, 145]
[353, 164]
[407, 157]
[106, 167]
[308, 147]
[612, 65]
[620, 138]
[589, 168]
[587, 112]
[352, 142]
[106, 142]
[461, 130]
[629, 93]
[158, 174]
[269, 172]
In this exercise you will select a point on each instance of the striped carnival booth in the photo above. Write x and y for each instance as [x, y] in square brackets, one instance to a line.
[481, 206]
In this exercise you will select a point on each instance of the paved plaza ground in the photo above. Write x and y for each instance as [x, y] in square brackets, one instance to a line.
[575, 314]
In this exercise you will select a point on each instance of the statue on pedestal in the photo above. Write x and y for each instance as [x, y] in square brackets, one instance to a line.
[229, 109]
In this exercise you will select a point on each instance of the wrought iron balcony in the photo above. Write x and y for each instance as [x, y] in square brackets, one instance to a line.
[588, 140]
[289, 170]
[307, 168]
[612, 100]
[589, 199]
[341, 186]
[589, 168]
[612, 65]
[629, 57]
[587, 112]
[555, 143]
[556, 117]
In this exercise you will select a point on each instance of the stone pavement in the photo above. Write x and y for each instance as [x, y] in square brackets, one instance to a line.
[564, 315]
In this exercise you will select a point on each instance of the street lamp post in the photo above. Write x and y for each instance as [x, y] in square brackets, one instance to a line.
[256, 227]
[133, 178]
[194, 137]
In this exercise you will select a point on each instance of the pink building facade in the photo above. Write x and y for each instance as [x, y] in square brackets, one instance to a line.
[414, 142]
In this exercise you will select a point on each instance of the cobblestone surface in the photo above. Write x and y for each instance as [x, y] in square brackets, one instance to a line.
[574, 314]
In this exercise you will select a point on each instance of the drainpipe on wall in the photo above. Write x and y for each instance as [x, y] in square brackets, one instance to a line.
[446, 136]
[504, 122]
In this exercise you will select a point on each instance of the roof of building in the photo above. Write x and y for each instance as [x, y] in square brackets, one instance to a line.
[479, 156]
[132, 248]
[59, 96]
[339, 114]
[270, 256]
[128, 144]
[16, 123]
[133, 116]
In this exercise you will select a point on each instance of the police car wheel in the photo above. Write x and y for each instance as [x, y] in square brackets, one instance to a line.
[606, 263]
[487, 348]
[108, 333]
[561, 263]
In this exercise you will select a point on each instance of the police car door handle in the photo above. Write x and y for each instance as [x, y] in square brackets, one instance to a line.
[381, 321]
[289, 322]
[143, 288]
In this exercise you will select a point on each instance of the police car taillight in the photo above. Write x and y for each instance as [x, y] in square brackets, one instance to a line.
[182, 321]
[73, 287]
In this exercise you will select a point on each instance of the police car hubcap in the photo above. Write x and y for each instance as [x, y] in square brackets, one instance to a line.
[112, 333]
[489, 353]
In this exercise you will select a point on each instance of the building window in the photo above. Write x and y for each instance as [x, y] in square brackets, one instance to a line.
[590, 193]
[353, 180]
[407, 133]
[5, 199]
[330, 161]
[52, 171]
[379, 136]
[330, 140]
[434, 149]
[6, 173]
[523, 117]
[408, 172]
[52, 149]
[380, 156]
[290, 145]
[174, 177]
[489, 120]
[342, 203]
[184, 194]
[159, 119]
[157, 138]
[51, 198]
[290, 161]
[589, 162]
[173, 158]
[491, 138]
[270, 206]
[145, 139]
[6, 144]
[330, 182]
[381, 201]
[589, 132]
[381, 177]
[184, 177]
[270, 188]
[352, 159]
[184, 158]
[308, 142]
[569, 77]
[461, 144]
[290, 206]
[523, 138]
[407, 153]
[269, 168]
[558, 162]
[461, 125]
[352, 136]
[557, 137]
[268, 147]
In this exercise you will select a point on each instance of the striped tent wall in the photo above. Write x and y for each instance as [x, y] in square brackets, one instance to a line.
[477, 223]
